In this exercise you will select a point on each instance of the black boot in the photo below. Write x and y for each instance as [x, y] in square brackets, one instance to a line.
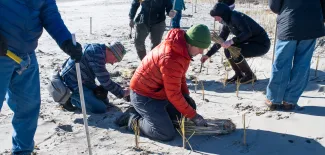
[238, 73]
[123, 120]
[68, 106]
[248, 75]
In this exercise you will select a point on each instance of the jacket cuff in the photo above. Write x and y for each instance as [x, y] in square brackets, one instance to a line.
[236, 40]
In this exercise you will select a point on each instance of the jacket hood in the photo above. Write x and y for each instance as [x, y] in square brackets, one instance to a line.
[221, 10]
[175, 38]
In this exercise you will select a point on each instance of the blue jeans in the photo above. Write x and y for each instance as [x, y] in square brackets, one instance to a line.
[23, 98]
[177, 19]
[154, 121]
[290, 70]
[92, 103]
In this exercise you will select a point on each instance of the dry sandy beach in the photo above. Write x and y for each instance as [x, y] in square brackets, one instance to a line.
[268, 133]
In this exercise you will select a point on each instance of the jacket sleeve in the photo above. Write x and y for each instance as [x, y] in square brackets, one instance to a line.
[172, 75]
[102, 75]
[224, 35]
[275, 5]
[184, 86]
[243, 27]
[53, 23]
[134, 7]
[169, 5]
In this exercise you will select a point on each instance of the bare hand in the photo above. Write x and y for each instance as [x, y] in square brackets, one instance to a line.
[227, 43]
[172, 13]
[204, 58]
[131, 24]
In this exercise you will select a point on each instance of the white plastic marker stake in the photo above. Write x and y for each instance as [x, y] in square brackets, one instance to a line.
[171, 19]
[91, 25]
[82, 98]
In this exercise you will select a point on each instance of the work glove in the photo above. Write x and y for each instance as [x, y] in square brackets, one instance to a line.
[3, 46]
[100, 92]
[74, 51]
[131, 24]
[199, 120]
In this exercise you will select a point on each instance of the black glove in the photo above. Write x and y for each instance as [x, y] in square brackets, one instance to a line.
[199, 120]
[100, 92]
[3, 46]
[190, 101]
[74, 51]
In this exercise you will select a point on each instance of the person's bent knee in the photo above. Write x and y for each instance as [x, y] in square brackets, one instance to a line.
[165, 135]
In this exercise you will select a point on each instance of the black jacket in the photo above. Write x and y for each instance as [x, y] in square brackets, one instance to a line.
[152, 11]
[242, 26]
[298, 19]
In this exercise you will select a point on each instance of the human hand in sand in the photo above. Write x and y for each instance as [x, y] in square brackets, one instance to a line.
[227, 43]
[172, 13]
[204, 58]
[131, 24]
[199, 120]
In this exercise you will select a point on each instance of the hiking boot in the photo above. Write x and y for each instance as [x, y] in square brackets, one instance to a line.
[248, 75]
[68, 106]
[238, 73]
[128, 115]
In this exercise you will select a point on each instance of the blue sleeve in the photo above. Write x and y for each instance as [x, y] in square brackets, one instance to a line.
[53, 23]
[102, 75]
[275, 5]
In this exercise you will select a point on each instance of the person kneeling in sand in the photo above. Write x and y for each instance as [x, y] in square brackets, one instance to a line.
[250, 37]
[159, 93]
[92, 66]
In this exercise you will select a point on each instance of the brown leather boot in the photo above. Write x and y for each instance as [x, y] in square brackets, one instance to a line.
[238, 73]
[248, 75]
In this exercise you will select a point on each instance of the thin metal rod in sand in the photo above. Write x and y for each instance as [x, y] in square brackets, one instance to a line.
[195, 5]
[226, 77]
[91, 25]
[136, 134]
[82, 98]
[244, 127]
[317, 66]
[195, 85]
[237, 86]
[202, 89]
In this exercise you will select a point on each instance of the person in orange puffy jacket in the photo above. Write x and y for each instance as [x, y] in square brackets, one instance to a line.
[159, 93]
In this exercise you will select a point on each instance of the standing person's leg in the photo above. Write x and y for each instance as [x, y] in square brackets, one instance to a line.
[6, 72]
[300, 71]
[281, 70]
[92, 103]
[141, 34]
[24, 99]
[156, 32]
[154, 121]
[177, 19]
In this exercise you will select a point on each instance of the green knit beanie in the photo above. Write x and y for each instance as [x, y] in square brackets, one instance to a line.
[198, 36]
